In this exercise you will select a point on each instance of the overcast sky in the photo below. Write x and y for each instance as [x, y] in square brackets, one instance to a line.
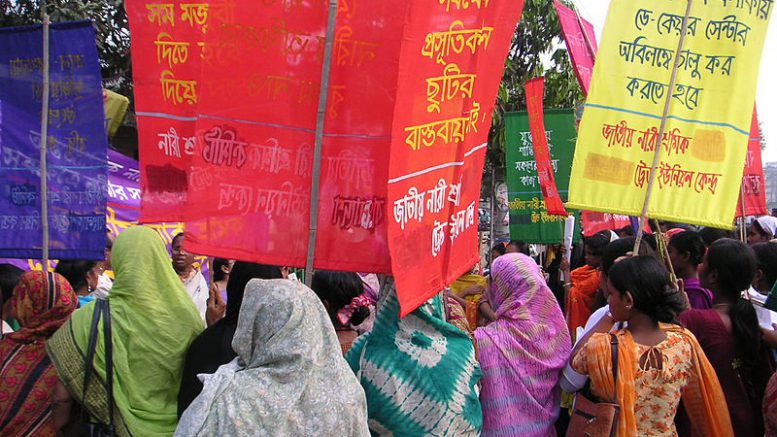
[595, 11]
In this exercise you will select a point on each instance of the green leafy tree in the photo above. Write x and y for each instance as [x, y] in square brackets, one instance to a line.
[110, 21]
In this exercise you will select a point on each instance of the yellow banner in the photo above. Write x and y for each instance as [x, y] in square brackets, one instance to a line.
[703, 148]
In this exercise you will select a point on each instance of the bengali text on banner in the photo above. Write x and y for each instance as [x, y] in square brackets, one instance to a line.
[703, 148]
[753, 183]
[529, 218]
[76, 143]
[450, 66]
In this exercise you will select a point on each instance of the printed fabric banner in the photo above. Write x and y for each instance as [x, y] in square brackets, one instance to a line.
[76, 143]
[450, 66]
[594, 222]
[581, 43]
[535, 89]
[753, 183]
[702, 151]
[168, 48]
[529, 219]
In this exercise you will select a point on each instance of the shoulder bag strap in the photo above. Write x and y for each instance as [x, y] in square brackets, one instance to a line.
[107, 331]
[614, 347]
[90, 349]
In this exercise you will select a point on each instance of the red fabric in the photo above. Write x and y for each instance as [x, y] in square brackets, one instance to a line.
[27, 376]
[581, 46]
[753, 182]
[582, 296]
[432, 249]
[545, 173]
[165, 110]
[594, 222]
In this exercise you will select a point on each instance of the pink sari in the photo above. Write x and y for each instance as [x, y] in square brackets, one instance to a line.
[522, 353]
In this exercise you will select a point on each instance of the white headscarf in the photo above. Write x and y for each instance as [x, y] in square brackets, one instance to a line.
[289, 377]
[768, 224]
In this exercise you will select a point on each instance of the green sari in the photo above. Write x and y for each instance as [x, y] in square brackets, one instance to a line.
[154, 321]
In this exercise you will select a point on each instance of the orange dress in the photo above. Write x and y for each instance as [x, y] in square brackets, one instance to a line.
[582, 296]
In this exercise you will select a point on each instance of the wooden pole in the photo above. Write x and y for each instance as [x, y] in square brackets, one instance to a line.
[323, 96]
[44, 133]
[656, 155]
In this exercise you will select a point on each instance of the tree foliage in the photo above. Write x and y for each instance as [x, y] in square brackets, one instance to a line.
[537, 49]
[110, 21]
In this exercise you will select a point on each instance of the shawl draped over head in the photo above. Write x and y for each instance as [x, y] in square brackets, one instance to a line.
[289, 377]
[43, 302]
[153, 321]
[703, 398]
[523, 352]
[582, 296]
[419, 372]
[768, 224]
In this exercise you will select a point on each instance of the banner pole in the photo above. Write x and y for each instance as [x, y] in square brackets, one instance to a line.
[323, 96]
[491, 239]
[742, 221]
[44, 128]
[656, 155]
[585, 35]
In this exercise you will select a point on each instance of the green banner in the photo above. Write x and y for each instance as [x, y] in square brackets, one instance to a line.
[529, 220]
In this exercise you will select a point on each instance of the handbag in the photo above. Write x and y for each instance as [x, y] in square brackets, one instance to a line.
[591, 418]
[81, 426]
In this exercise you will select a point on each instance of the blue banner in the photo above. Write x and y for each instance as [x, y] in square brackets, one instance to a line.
[77, 144]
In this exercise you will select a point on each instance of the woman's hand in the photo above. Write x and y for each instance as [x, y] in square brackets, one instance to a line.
[217, 308]
[472, 290]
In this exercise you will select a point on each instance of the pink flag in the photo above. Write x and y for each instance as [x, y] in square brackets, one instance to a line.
[581, 43]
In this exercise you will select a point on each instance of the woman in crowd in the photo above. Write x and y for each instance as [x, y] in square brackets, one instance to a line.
[41, 303]
[343, 296]
[419, 372]
[762, 230]
[153, 322]
[763, 282]
[83, 277]
[221, 270]
[658, 361]
[522, 352]
[729, 333]
[10, 275]
[289, 378]
[583, 285]
[686, 251]
[213, 348]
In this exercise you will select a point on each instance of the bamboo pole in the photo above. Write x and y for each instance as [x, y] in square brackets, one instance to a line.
[656, 155]
[44, 133]
[323, 96]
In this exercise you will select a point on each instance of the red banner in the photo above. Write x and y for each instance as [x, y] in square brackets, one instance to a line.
[450, 65]
[545, 173]
[581, 43]
[594, 222]
[753, 183]
[167, 52]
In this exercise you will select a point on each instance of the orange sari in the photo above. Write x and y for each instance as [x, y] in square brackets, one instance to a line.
[703, 398]
[582, 296]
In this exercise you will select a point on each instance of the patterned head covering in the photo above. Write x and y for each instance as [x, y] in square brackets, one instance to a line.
[289, 377]
[523, 352]
[419, 372]
[43, 302]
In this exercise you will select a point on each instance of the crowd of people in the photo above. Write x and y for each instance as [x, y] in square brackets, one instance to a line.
[676, 335]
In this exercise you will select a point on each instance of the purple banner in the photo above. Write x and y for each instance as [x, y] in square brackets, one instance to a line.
[76, 143]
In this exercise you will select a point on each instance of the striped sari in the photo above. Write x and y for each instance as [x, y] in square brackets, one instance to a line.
[522, 353]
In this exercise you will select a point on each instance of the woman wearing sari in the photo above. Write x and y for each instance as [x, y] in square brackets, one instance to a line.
[522, 352]
[659, 362]
[289, 378]
[153, 321]
[41, 302]
[419, 372]
[583, 285]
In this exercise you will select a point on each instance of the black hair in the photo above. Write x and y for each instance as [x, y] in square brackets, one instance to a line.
[766, 257]
[648, 282]
[619, 248]
[521, 245]
[500, 248]
[690, 242]
[218, 263]
[735, 265]
[627, 230]
[178, 235]
[338, 289]
[711, 235]
[596, 243]
[241, 274]
[9, 277]
[75, 271]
